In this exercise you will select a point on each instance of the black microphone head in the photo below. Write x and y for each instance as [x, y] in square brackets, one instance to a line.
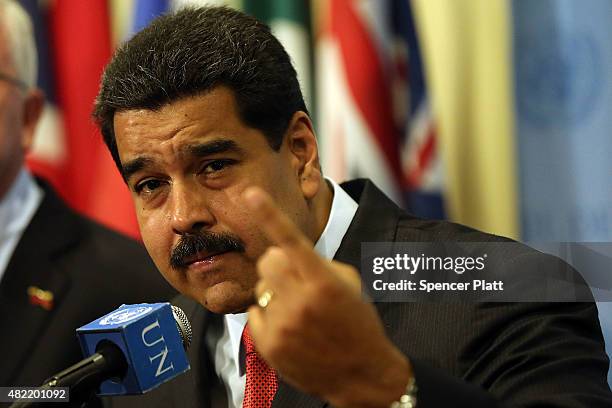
[183, 325]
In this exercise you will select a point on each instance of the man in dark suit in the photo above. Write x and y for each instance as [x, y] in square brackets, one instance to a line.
[204, 117]
[58, 270]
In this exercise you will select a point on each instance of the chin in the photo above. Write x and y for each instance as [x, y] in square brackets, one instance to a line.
[227, 297]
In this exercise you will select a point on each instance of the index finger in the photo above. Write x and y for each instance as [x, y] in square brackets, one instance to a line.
[282, 231]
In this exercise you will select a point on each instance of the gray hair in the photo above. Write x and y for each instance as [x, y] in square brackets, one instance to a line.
[22, 47]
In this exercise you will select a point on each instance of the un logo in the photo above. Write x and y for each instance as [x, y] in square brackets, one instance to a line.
[558, 74]
[125, 315]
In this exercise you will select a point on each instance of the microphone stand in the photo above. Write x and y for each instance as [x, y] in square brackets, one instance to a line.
[84, 377]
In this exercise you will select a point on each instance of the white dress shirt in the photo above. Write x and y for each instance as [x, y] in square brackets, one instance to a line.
[225, 349]
[16, 211]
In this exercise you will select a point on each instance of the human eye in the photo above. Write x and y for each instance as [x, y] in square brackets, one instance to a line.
[216, 166]
[147, 186]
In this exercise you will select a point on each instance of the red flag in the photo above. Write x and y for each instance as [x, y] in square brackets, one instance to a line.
[87, 177]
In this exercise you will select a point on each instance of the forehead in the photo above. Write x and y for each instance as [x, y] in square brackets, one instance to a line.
[210, 115]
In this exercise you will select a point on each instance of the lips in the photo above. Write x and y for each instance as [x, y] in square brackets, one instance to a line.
[203, 256]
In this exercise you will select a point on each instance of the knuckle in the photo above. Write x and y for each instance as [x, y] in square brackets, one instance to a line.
[274, 252]
[350, 274]
[262, 262]
[349, 269]
[344, 268]
[260, 287]
[265, 262]
[272, 259]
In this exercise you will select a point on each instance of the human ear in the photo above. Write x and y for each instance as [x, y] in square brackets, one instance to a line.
[302, 144]
[32, 110]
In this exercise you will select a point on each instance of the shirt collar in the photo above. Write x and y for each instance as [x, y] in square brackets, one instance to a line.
[343, 210]
[19, 204]
[17, 208]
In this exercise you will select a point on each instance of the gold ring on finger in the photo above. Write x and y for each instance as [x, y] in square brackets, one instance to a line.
[264, 299]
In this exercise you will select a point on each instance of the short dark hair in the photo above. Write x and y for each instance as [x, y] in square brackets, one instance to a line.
[192, 51]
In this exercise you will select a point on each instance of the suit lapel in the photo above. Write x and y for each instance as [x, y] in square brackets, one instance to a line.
[36, 262]
[376, 220]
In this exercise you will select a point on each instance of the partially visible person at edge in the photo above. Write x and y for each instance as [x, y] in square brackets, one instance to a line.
[58, 270]
[203, 115]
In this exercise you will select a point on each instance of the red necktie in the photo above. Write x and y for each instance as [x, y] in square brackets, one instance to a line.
[261, 380]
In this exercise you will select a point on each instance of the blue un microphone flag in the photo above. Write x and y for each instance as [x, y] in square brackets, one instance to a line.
[149, 338]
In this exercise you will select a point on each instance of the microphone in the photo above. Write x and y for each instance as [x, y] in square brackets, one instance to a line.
[131, 350]
[148, 343]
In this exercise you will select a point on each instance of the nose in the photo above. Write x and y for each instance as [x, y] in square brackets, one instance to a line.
[189, 211]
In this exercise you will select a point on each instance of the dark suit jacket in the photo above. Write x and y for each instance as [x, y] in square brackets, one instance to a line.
[464, 355]
[89, 269]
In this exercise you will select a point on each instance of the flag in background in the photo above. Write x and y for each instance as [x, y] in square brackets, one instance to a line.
[467, 52]
[387, 132]
[145, 11]
[290, 23]
[75, 160]
[421, 163]
[371, 122]
[563, 61]
[48, 150]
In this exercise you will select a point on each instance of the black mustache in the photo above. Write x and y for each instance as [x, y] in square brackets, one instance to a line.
[190, 244]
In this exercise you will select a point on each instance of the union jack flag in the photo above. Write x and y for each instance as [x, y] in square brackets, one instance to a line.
[374, 115]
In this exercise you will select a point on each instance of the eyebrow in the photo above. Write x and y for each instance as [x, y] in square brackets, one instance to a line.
[212, 147]
[197, 150]
[128, 169]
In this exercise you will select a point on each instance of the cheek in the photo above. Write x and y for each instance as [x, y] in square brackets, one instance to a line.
[10, 133]
[234, 217]
[156, 239]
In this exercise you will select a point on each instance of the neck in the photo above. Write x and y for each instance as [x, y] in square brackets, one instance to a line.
[322, 208]
[8, 177]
